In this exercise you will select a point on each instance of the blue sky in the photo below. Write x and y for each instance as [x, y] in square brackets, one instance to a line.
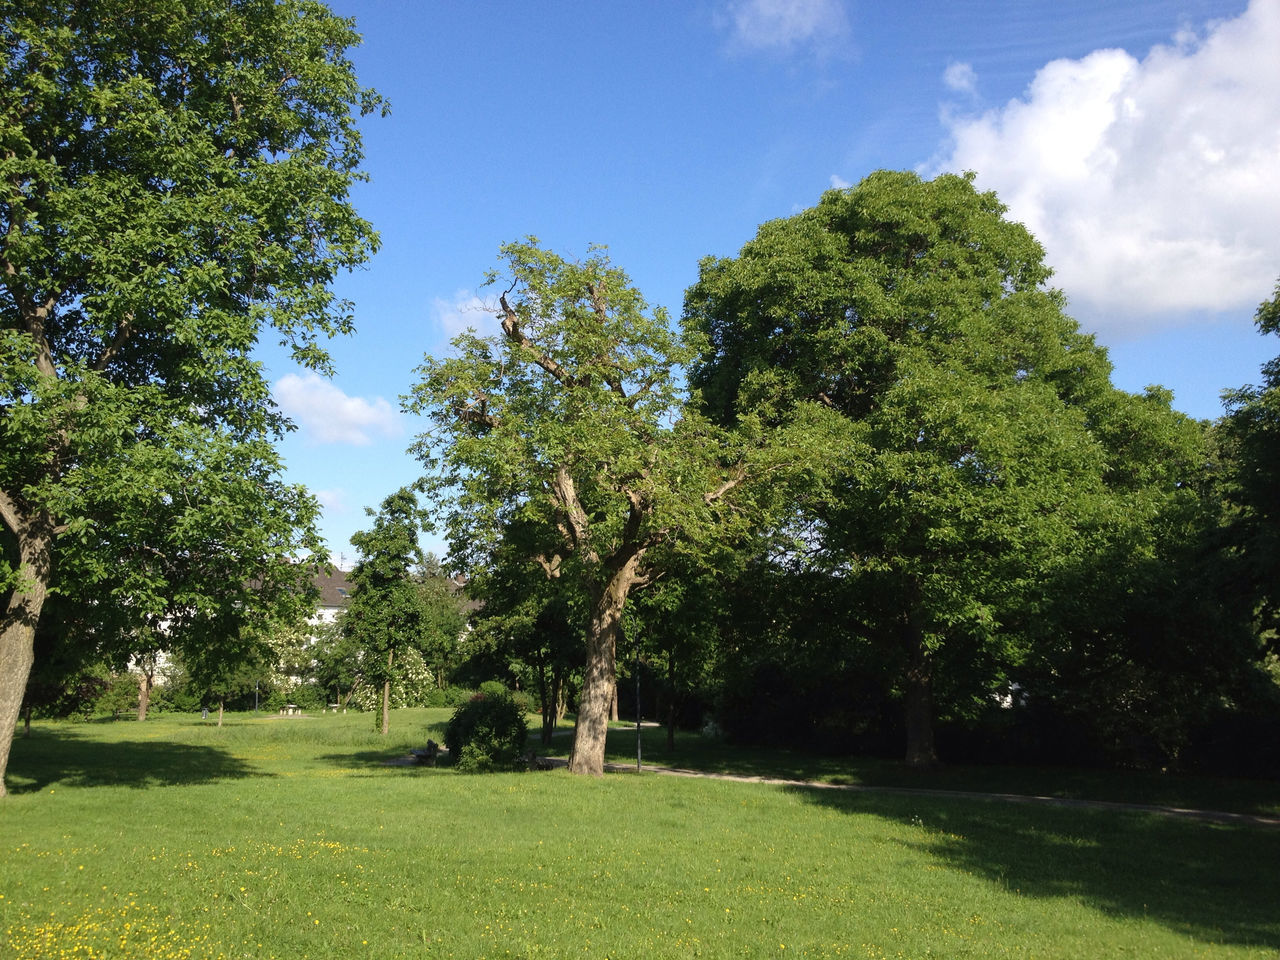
[1140, 141]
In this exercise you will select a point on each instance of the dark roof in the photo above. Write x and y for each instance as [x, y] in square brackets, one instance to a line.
[335, 589]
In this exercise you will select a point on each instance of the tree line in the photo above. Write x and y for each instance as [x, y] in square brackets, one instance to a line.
[874, 480]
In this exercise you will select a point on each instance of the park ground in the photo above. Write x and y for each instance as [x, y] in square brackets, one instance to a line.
[297, 838]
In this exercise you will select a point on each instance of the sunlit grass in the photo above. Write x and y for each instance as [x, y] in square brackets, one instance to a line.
[292, 839]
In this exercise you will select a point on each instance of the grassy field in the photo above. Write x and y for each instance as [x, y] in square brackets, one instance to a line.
[291, 838]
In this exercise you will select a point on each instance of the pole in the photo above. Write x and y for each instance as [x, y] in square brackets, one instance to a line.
[637, 672]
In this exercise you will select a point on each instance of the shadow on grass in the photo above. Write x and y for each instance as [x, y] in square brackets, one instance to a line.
[67, 758]
[1209, 882]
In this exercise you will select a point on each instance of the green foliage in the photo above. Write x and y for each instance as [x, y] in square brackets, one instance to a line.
[568, 441]
[984, 448]
[391, 612]
[487, 733]
[175, 186]
[1251, 440]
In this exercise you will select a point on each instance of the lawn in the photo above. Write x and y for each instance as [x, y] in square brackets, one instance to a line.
[291, 838]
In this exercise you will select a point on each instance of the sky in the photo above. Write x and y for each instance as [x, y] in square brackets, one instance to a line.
[1139, 141]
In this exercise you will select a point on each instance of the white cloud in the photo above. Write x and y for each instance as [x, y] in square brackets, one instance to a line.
[463, 311]
[782, 25]
[839, 183]
[333, 501]
[327, 415]
[961, 78]
[1153, 184]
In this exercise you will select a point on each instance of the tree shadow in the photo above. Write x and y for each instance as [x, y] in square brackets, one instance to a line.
[66, 758]
[1208, 881]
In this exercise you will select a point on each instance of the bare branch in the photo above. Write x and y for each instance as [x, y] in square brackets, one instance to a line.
[579, 529]
[123, 333]
[738, 476]
[511, 327]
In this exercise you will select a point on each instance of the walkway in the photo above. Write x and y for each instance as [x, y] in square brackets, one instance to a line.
[1212, 816]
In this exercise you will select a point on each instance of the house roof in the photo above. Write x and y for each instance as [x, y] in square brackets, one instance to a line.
[335, 589]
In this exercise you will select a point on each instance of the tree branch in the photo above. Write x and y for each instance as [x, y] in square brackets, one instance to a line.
[123, 333]
[579, 528]
[738, 476]
[511, 327]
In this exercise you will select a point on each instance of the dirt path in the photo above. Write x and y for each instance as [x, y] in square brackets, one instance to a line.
[1212, 816]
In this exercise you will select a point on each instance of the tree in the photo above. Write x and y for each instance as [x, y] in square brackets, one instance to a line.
[573, 423]
[536, 622]
[386, 613]
[1251, 435]
[174, 183]
[443, 618]
[982, 420]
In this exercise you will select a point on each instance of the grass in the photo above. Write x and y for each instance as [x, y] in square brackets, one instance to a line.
[292, 839]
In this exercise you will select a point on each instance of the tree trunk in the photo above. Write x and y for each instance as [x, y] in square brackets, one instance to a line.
[599, 685]
[613, 704]
[560, 691]
[26, 722]
[671, 702]
[386, 697]
[145, 683]
[221, 704]
[18, 629]
[919, 693]
[545, 702]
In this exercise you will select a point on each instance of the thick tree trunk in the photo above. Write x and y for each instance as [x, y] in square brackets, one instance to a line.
[919, 693]
[599, 686]
[18, 632]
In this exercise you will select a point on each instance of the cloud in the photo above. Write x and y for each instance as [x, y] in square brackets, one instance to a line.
[780, 26]
[961, 78]
[333, 501]
[327, 415]
[463, 311]
[1153, 184]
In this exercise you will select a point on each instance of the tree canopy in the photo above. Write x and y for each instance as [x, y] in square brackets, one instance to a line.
[573, 424]
[174, 188]
[986, 443]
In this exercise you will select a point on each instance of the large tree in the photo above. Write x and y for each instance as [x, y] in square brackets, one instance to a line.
[1251, 435]
[174, 187]
[573, 422]
[984, 426]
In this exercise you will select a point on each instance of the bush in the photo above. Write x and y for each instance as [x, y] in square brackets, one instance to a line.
[487, 733]
[457, 696]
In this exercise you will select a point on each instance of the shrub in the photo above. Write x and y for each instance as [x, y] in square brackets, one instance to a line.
[457, 696]
[487, 733]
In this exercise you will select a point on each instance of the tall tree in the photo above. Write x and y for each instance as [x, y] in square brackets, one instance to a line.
[1251, 432]
[387, 613]
[574, 422]
[174, 183]
[981, 416]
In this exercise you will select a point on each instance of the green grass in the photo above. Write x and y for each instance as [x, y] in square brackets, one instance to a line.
[292, 839]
